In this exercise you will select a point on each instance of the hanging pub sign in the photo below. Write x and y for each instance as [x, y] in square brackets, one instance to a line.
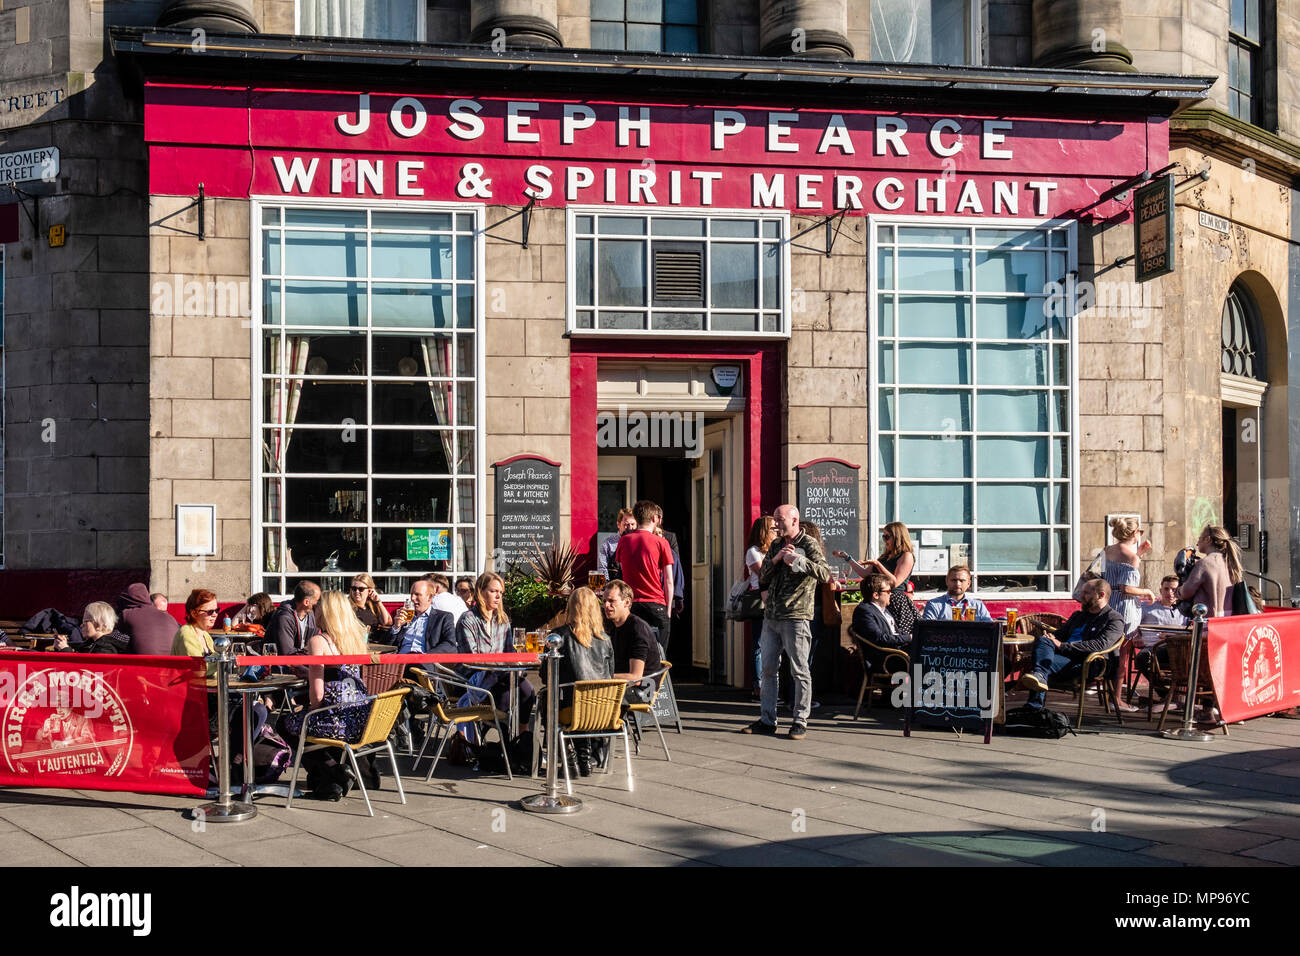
[1153, 229]
[827, 495]
[527, 499]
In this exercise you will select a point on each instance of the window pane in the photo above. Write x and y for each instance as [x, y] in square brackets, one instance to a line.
[622, 320]
[622, 225]
[933, 410]
[925, 270]
[1013, 504]
[924, 364]
[681, 39]
[885, 367]
[1013, 411]
[932, 236]
[607, 9]
[464, 257]
[320, 500]
[316, 354]
[934, 457]
[324, 303]
[645, 38]
[1010, 318]
[411, 355]
[733, 276]
[465, 354]
[312, 548]
[465, 314]
[1012, 457]
[884, 268]
[395, 256]
[322, 450]
[887, 502]
[886, 403]
[271, 252]
[1011, 550]
[338, 218]
[933, 504]
[771, 277]
[412, 403]
[677, 227]
[622, 272]
[885, 315]
[677, 321]
[1011, 365]
[1011, 238]
[607, 36]
[584, 224]
[645, 11]
[412, 451]
[408, 499]
[390, 546]
[997, 271]
[334, 254]
[733, 229]
[885, 456]
[725, 322]
[933, 317]
[319, 402]
[682, 11]
[429, 306]
[582, 282]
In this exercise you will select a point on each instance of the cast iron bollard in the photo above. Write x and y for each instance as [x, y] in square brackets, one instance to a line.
[225, 810]
[1187, 731]
[552, 801]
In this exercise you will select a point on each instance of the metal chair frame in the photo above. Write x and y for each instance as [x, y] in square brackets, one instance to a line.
[448, 718]
[867, 679]
[661, 679]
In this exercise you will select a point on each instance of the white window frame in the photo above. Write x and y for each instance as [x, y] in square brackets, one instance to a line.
[257, 331]
[646, 212]
[422, 23]
[976, 36]
[873, 392]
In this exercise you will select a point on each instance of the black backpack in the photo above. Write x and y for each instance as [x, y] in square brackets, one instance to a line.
[1037, 722]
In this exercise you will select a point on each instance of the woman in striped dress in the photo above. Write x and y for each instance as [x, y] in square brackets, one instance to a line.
[1122, 572]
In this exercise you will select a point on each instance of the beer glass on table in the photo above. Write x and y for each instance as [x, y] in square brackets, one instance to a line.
[519, 639]
[1012, 614]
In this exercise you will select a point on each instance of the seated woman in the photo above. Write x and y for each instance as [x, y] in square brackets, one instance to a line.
[327, 685]
[193, 639]
[585, 654]
[485, 629]
[370, 611]
[256, 610]
[98, 636]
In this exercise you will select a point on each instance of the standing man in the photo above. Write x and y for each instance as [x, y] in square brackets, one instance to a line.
[1094, 627]
[605, 555]
[793, 567]
[293, 623]
[647, 565]
[678, 603]
[951, 606]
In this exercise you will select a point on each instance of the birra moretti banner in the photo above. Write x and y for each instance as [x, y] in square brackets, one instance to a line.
[1255, 663]
[502, 150]
[103, 722]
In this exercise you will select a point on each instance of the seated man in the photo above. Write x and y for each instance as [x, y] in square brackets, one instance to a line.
[636, 651]
[1094, 627]
[1148, 646]
[426, 630]
[951, 606]
[872, 620]
[293, 623]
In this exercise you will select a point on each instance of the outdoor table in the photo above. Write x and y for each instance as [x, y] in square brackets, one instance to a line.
[247, 690]
[1015, 649]
[514, 670]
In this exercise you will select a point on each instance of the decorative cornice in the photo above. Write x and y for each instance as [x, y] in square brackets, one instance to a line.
[1239, 390]
[1223, 135]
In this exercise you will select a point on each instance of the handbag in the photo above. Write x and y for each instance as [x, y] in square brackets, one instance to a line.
[1086, 576]
[744, 603]
[1242, 602]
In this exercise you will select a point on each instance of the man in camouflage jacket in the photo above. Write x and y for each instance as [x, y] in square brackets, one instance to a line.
[790, 573]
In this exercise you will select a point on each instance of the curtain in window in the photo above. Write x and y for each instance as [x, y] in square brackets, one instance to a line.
[361, 19]
[285, 396]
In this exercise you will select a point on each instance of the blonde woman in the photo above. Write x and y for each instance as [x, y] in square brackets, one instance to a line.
[1122, 572]
[1210, 581]
[329, 684]
[485, 629]
[895, 563]
[370, 611]
[586, 654]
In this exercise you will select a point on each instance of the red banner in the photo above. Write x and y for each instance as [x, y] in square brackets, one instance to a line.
[103, 722]
[1255, 663]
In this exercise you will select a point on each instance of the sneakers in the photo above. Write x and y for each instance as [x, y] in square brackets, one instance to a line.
[758, 727]
[798, 731]
[1032, 681]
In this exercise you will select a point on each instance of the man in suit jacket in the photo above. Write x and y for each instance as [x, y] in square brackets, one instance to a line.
[1094, 627]
[873, 622]
[427, 630]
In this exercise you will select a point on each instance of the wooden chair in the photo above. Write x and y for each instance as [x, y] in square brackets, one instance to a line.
[384, 710]
[1179, 664]
[450, 717]
[661, 677]
[895, 659]
[596, 711]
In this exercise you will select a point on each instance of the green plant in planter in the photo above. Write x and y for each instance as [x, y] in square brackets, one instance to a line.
[528, 601]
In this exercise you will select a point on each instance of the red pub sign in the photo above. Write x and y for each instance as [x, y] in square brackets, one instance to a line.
[508, 150]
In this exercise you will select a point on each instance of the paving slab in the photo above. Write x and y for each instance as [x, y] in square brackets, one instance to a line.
[68, 821]
[160, 849]
[300, 849]
[20, 848]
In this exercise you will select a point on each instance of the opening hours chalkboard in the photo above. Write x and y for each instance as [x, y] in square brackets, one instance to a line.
[527, 500]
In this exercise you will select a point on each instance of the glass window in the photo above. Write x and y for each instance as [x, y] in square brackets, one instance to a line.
[368, 413]
[705, 274]
[973, 389]
[363, 19]
[651, 26]
[1245, 62]
[922, 31]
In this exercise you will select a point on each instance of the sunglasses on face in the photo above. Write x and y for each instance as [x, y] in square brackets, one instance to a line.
[356, 588]
[209, 613]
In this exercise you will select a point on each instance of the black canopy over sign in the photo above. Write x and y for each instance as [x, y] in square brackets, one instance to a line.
[527, 507]
[955, 673]
[1153, 229]
[827, 495]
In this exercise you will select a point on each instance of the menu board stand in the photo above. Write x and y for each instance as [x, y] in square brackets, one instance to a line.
[956, 675]
[527, 503]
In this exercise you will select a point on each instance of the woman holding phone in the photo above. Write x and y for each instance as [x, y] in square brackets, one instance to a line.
[895, 563]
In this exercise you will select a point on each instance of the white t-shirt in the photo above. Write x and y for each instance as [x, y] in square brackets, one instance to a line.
[755, 557]
[446, 601]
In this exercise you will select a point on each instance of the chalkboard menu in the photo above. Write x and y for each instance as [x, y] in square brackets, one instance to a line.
[954, 674]
[827, 495]
[665, 708]
[527, 500]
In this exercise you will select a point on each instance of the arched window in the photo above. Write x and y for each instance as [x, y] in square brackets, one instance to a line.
[1242, 347]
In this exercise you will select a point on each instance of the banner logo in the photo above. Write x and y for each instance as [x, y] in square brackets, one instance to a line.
[1261, 667]
[66, 722]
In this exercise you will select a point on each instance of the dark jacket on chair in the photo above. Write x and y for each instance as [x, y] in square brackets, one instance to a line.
[870, 624]
[151, 631]
[1100, 631]
[282, 627]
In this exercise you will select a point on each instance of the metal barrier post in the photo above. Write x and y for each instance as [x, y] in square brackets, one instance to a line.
[225, 810]
[552, 801]
[1187, 731]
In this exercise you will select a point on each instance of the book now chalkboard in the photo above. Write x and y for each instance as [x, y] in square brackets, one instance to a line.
[955, 672]
[826, 492]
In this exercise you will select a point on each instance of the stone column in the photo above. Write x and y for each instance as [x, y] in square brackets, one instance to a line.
[222, 16]
[526, 23]
[1080, 35]
[810, 28]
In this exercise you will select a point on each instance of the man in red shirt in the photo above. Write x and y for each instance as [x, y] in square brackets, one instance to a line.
[646, 561]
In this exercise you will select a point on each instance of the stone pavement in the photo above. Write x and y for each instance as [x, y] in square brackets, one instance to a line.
[850, 793]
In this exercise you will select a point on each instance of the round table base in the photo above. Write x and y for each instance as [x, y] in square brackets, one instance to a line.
[541, 803]
[1184, 733]
[230, 813]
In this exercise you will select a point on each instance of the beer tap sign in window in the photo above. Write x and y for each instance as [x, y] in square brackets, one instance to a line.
[368, 412]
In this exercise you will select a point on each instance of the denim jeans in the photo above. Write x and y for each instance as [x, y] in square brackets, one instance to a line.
[1050, 663]
[794, 638]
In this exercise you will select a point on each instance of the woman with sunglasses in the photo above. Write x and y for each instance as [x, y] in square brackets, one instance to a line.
[369, 610]
[194, 639]
[895, 563]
